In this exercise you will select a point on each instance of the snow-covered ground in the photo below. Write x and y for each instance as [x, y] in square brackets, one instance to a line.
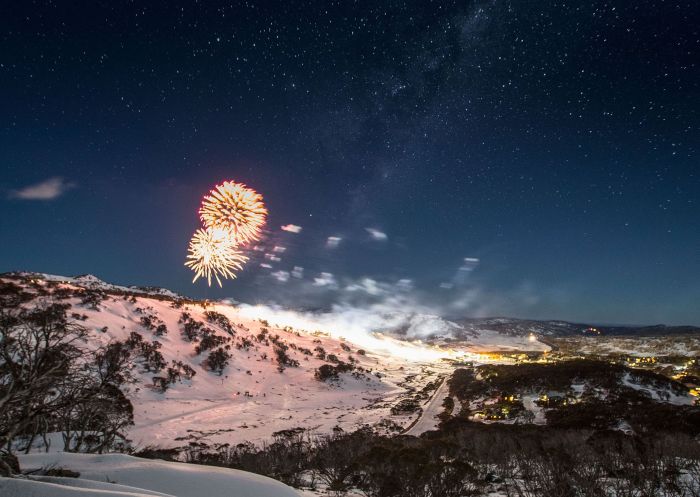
[659, 394]
[428, 419]
[93, 282]
[118, 475]
[538, 417]
[645, 346]
[252, 399]
[485, 340]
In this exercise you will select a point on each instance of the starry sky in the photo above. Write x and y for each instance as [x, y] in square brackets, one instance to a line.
[531, 159]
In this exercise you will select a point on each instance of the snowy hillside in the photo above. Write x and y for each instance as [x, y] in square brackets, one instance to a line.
[112, 475]
[306, 397]
[93, 282]
[223, 374]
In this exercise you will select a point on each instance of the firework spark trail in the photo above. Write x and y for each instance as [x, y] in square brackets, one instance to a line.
[236, 208]
[213, 252]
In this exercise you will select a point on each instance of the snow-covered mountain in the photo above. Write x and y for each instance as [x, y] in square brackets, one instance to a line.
[554, 328]
[201, 375]
[271, 378]
[275, 369]
[93, 282]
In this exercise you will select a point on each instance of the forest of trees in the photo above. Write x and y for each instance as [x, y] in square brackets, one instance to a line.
[469, 459]
[580, 452]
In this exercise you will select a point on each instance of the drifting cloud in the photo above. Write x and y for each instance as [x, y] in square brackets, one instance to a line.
[397, 301]
[470, 263]
[373, 314]
[326, 280]
[291, 228]
[377, 288]
[378, 312]
[281, 276]
[333, 241]
[460, 278]
[367, 285]
[367, 312]
[49, 189]
[380, 236]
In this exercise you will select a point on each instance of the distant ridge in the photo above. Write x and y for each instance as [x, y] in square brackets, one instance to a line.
[558, 328]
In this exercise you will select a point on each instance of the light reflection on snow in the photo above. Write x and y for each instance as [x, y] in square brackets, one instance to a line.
[357, 327]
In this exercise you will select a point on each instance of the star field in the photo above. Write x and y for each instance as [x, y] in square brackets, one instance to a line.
[554, 142]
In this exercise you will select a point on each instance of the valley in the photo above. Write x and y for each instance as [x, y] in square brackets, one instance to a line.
[303, 399]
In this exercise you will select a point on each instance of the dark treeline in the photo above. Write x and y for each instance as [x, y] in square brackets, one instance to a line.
[465, 458]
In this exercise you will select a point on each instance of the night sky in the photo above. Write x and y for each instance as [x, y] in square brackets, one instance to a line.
[554, 145]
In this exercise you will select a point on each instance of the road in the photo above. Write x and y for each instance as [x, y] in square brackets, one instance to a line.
[428, 419]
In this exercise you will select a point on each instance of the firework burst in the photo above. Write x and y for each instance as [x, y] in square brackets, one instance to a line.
[235, 208]
[213, 252]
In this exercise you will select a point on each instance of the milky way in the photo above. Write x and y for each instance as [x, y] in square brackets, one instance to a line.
[555, 143]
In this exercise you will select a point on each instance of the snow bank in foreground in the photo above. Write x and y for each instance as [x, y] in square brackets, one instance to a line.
[129, 476]
[16, 487]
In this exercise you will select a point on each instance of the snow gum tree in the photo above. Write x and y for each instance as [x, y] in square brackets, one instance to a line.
[51, 381]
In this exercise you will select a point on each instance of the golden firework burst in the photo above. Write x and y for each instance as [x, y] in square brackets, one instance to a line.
[212, 252]
[235, 208]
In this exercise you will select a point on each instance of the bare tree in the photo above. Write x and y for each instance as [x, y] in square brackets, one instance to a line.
[50, 381]
[39, 350]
